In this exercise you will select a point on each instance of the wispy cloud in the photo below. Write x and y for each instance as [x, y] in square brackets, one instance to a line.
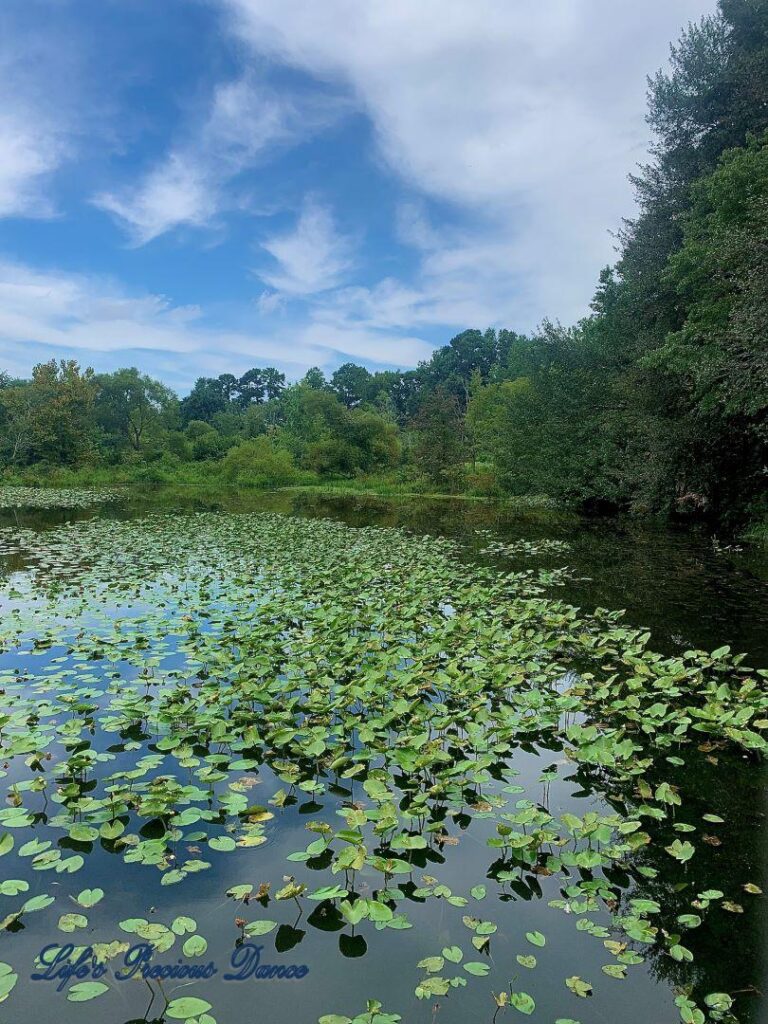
[40, 126]
[463, 276]
[31, 149]
[246, 124]
[311, 258]
[363, 344]
[96, 320]
[177, 192]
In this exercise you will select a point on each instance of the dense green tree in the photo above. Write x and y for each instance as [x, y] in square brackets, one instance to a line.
[352, 384]
[471, 352]
[440, 448]
[129, 408]
[274, 383]
[398, 391]
[375, 438]
[315, 378]
[330, 438]
[251, 388]
[230, 423]
[229, 385]
[50, 418]
[260, 385]
[309, 414]
[716, 364]
[205, 399]
[205, 441]
[332, 456]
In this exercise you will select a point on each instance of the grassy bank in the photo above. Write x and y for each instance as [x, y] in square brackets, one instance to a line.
[214, 475]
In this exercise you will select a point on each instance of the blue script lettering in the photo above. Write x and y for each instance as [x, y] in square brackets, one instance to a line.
[55, 960]
[57, 964]
[246, 963]
[138, 960]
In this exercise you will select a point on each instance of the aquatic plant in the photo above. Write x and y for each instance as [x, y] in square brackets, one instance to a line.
[156, 669]
[57, 497]
[524, 548]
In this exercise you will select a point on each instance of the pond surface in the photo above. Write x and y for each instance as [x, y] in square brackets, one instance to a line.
[168, 666]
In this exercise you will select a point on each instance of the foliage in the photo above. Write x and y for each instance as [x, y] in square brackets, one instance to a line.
[440, 447]
[130, 407]
[719, 356]
[212, 395]
[50, 417]
[351, 384]
[259, 463]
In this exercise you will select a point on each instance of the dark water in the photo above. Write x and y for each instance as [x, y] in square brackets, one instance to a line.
[682, 587]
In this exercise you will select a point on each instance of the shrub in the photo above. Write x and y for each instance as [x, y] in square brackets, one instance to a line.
[151, 475]
[259, 463]
[205, 441]
[333, 457]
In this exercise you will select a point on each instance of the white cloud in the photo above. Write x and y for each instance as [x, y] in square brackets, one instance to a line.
[311, 258]
[47, 314]
[245, 124]
[39, 122]
[527, 118]
[175, 193]
[464, 277]
[30, 150]
[360, 343]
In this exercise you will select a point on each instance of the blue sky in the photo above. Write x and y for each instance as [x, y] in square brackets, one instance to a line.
[200, 186]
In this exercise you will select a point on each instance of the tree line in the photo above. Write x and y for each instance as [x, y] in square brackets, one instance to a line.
[656, 401]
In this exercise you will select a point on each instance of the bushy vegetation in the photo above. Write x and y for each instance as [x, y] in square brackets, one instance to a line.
[655, 402]
[66, 425]
[260, 464]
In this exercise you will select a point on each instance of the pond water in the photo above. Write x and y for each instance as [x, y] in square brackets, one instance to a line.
[168, 665]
